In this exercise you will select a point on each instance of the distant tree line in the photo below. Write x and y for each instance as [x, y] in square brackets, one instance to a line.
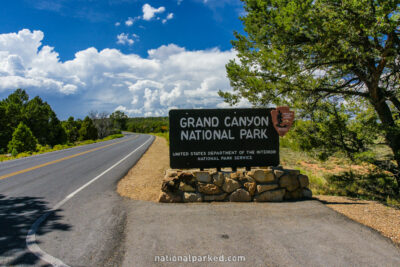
[148, 125]
[26, 123]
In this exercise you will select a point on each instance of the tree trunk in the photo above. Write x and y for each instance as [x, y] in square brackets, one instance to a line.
[392, 134]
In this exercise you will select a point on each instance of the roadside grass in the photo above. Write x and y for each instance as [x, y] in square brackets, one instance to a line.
[163, 135]
[44, 149]
[339, 177]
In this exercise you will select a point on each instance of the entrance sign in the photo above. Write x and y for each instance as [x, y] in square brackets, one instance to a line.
[283, 119]
[215, 138]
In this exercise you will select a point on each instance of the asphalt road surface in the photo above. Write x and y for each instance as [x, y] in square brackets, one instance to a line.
[92, 226]
[88, 219]
[303, 233]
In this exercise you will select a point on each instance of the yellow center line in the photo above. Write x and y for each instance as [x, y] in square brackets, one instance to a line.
[62, 159]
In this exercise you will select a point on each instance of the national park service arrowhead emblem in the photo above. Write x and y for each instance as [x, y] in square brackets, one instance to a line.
[282, 118]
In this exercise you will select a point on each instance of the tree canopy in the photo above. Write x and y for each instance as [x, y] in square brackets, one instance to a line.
[319, 54]
[88, 130]
[119, 120]
[35, 113]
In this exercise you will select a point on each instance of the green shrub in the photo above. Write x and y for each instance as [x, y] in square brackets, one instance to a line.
[22, 139]
[14, 152]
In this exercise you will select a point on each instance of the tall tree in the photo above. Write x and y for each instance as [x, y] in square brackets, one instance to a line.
[71, 128]
[43, 122]
[119, 120]
[13, 108]
[88, 130]
[57, 133]
[35, 113]
[102, 123]
[304, 52]
[3, 129]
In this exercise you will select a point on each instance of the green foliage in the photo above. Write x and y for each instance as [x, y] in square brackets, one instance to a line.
[113, 136]
[12, 113]
[35, 113]
[4, 132]
[71, 128]
[119, 120]
[163, 135]
[14, 152]
[87, 131]
[336, 62]
[44, 149]
[57, 133]
[148, 125]
[375, 186]
[22, 140]
[339, 176]
[102, 122]
[337, 128]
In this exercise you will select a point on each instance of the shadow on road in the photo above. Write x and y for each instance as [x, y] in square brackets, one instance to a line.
[17, 214]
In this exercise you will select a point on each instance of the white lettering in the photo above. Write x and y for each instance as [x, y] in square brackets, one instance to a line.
[215, 122]
[227, 124]
[183, 123]
[265, 121]
[190, 122]
[242, 133]
[234, 121]
[184, 135]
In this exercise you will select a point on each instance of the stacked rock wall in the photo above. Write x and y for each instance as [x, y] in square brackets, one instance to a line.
[260, 185]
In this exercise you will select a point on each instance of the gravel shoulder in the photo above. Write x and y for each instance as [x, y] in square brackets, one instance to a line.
[384, 219]
[143, 181]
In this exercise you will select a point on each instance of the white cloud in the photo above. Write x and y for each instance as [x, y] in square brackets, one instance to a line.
[170, 76]
[129, 111]
[149, 11]
[170, 16]
[124, 39]
[129, 22]
[117, 24]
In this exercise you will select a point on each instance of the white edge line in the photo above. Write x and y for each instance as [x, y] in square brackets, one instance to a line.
[31, 236]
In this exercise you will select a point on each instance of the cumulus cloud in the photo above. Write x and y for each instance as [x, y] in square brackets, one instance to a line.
[149, 11]
[169, 77]
[117, 24]
[124, 39]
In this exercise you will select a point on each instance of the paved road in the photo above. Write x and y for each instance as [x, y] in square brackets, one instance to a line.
[304, 233]
[85, 229]
[96, 227]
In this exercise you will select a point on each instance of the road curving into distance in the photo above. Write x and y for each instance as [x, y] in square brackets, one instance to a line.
[67, 203]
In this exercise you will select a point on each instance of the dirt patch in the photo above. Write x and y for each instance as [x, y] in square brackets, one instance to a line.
[143, 181]
[384, 219]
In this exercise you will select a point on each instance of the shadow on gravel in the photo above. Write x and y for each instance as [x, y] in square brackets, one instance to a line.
[340, 203]
[17, 214]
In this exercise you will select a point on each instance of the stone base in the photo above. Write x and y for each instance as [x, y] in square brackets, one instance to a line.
[272, 184]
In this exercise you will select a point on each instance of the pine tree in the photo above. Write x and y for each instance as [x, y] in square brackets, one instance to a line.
[22, 139]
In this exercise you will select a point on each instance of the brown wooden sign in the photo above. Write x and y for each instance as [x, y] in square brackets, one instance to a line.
[282, 118]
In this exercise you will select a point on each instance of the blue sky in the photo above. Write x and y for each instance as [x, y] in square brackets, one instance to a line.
[142, 57]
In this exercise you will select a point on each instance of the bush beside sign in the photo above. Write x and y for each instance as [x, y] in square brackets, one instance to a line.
[216, 138]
